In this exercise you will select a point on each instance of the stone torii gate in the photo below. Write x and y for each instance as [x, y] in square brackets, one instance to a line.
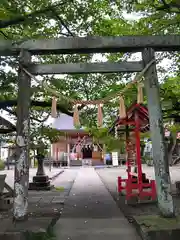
[147, 45]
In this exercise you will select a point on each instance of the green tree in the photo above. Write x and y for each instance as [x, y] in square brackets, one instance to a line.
[20, 21]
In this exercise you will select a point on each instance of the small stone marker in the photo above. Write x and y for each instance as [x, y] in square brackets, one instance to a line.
[6, 200]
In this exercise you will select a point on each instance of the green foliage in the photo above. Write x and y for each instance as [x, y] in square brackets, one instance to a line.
[2, 165]
[174, 129]
[171, 98]
[60, 189]
[35, 163]
[102, 136]
[145, 135]
[83, 18]
[51, 134]
[48, 235]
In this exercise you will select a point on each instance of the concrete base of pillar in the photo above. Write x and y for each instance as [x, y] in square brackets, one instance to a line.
[40, 183]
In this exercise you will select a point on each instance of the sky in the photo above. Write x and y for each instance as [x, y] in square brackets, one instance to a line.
[131, 16]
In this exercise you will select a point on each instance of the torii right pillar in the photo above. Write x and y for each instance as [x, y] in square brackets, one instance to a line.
[160, 157]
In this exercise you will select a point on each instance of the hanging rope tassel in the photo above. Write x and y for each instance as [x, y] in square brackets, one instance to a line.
[140, 93]
[100, 116]
[122, 108]
[54, 108]
[76, 117]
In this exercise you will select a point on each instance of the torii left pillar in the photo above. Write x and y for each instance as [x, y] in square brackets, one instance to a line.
[21, 176]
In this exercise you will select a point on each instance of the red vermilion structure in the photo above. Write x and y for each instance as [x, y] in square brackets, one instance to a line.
[136, 184]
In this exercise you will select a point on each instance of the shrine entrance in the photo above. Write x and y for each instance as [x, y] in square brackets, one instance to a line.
[87, 151]
[147, 45]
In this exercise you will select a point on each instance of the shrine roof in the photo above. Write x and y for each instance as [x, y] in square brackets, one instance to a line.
[142, 112]
[6, 126]
[65, 123]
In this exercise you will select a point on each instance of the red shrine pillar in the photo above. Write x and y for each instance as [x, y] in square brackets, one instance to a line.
[138, 148]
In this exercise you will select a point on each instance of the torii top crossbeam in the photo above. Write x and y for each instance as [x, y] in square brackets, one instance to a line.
[90, 44]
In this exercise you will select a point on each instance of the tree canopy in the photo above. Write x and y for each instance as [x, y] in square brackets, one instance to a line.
[40, 19]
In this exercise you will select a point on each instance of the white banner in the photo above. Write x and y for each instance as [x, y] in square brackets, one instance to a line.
[115, 158]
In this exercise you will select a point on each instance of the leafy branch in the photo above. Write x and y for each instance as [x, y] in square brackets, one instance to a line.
[102, 136]
[172, 7]
[62, 22]
[10, 103]
[30, 16]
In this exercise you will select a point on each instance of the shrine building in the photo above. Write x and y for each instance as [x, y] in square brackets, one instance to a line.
[74, 143]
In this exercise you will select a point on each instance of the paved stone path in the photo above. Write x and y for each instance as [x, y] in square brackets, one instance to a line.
[91, 213]
[46, 202]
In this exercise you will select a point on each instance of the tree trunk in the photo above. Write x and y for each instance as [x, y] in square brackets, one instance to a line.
[171, 148]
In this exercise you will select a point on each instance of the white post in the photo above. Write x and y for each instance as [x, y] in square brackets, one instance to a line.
[50, 157]
[115, 159]
[115, 154]
[104, 154]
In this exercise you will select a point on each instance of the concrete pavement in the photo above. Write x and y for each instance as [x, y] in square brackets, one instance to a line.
[110, 175]
[32, 173]
[50, 201]
[44, 209]
[121, 171]
[91, 213]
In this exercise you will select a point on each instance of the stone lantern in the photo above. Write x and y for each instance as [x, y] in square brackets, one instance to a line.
[41, 180]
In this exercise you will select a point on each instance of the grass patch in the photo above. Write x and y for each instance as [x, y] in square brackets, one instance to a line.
[49, 235]
[60, 189]
[155, 222]
[2, 165]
